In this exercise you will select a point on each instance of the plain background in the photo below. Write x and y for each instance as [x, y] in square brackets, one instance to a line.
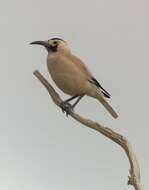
[41, 149]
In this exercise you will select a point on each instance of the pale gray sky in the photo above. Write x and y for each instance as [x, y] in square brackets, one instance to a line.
[39, 147]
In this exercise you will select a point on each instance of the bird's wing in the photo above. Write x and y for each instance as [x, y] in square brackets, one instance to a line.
[79, 63]
[88, 74]
[94, 81]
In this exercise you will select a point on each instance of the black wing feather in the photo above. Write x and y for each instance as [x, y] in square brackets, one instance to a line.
[106, 94]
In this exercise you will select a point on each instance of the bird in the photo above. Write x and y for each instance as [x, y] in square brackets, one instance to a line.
[72, 76]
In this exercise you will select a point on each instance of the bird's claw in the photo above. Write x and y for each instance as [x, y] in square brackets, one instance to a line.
[66, 108]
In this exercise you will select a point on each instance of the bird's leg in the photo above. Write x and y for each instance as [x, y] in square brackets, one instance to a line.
[66, 106]
[77, 101]
[71, 98]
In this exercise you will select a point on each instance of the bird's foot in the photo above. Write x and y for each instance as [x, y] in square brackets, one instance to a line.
[66, 108]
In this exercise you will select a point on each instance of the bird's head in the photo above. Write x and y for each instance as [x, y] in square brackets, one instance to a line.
[54, 45]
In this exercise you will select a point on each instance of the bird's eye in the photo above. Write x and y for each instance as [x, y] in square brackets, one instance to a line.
[55, 42]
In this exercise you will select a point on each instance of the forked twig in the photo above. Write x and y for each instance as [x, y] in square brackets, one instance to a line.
[134, 172]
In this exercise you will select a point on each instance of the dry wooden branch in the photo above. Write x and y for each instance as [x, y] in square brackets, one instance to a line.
[134, 177]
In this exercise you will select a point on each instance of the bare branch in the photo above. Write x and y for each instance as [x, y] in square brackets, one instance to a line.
[134, 173]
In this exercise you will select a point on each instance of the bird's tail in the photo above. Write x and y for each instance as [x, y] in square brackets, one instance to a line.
[108, 107]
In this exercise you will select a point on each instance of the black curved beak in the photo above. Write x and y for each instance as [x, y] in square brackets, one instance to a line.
[43, 43]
